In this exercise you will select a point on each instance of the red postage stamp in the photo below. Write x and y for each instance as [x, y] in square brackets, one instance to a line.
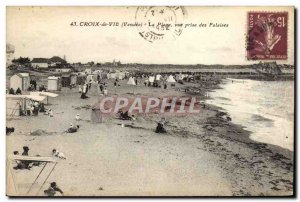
[267, 35]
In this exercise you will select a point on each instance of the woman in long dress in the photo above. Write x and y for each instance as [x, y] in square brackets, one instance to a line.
[84, 91]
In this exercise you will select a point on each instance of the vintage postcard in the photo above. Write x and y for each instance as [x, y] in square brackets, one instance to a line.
[150, 101]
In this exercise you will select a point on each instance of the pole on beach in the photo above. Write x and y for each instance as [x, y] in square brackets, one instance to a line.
[46, 178]
[36, 178]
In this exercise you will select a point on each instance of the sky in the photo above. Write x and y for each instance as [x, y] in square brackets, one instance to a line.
[46, 32]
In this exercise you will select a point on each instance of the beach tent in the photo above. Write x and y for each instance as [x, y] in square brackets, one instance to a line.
[54, 83]
[117, 73]
[45, 94]
[131, 81]
[158, 77]
[121, 75]
[97, 72]
[15, 104]
[171, 79]
[111, 75]
[179, 76]
[90, 77]
[20, 80]
[151, 79]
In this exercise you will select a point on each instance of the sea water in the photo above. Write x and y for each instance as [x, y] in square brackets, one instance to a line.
[266, 108]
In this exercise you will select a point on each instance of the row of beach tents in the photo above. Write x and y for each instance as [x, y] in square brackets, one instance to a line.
[105, 74]
[54, 83]
[151, 79]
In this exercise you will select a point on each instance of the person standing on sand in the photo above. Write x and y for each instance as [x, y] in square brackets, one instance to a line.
[29, 110]
[90, 84]
[85, 88]
[98, 78]
[84, 91]
[105, 92]
[36, 108]
[165, 86]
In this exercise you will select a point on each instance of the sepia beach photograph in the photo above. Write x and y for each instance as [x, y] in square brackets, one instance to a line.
[150, 101]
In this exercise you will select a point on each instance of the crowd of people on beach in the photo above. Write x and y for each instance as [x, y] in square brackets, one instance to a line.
[34, 108]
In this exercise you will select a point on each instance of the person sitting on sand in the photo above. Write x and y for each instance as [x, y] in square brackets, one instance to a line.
[11, 91]
[72, 128]
[42, 107]
[23, 164]
[53, 189]
[42, 88]
[71, 125]
[50, 113]
[77, 117]
[46, 112]
[58, 154]
[124, 115]
[9, 130]
[160, 128]
[18, 91]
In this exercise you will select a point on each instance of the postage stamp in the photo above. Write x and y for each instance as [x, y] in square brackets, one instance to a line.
[267, 35]
[159, 22]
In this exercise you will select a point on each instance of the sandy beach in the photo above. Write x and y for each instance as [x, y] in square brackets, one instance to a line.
[201, 155]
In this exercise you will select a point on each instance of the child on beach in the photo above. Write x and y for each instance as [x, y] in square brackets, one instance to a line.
[50, 113]
[105, 91]
[77, 117]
